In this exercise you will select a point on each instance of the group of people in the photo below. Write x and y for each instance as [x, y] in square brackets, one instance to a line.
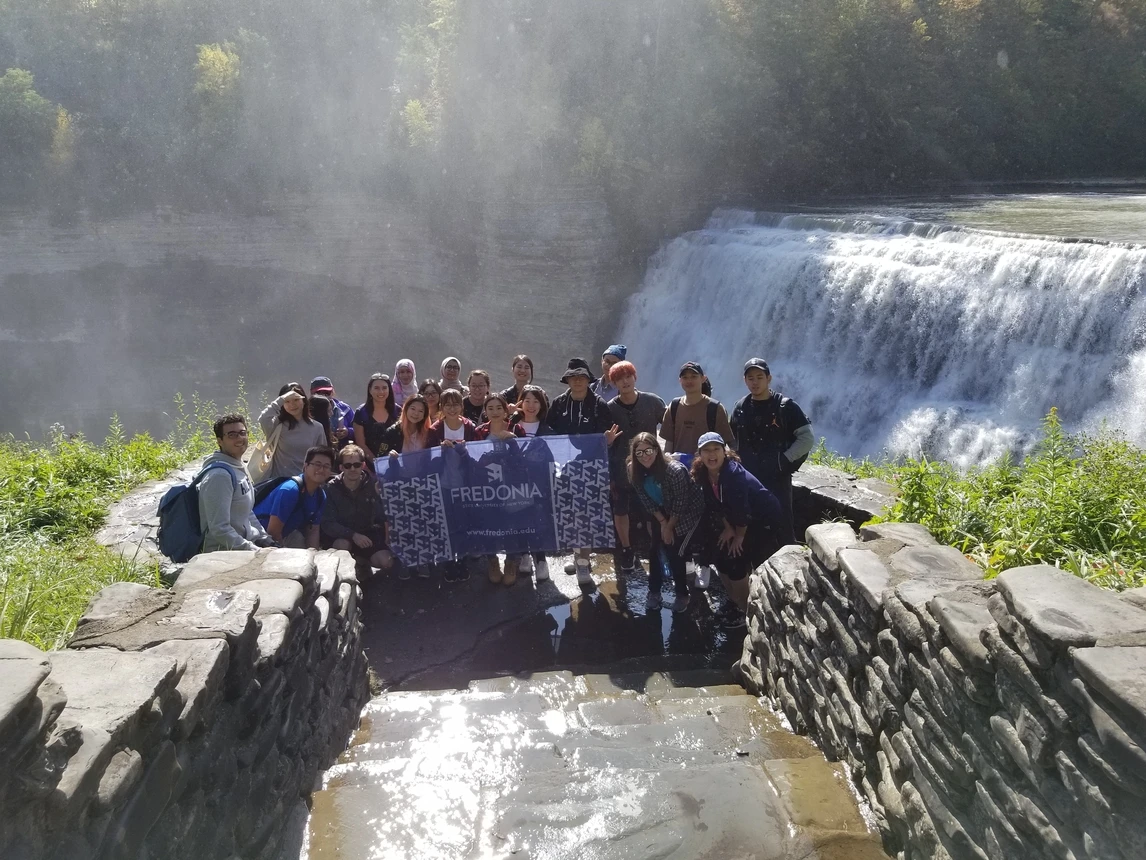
[711, 490]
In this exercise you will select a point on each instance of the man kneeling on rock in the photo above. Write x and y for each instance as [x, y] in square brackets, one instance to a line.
[292, 511]
[355, 516]
[226, 496]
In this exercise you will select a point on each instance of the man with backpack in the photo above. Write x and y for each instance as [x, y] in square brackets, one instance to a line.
[773, 439]
[691, 416]
[292, 510]
[226, 496]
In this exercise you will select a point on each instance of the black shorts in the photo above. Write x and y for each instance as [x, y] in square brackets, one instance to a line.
[376, 535]
[623, 497]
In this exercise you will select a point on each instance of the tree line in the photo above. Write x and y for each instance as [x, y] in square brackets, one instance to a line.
[222, 103]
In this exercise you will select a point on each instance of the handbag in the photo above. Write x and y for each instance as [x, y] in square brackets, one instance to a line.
[259, 466]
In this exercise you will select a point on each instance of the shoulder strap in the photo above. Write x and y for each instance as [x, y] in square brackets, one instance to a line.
[673, 407]
[198, 479]
[711, 413]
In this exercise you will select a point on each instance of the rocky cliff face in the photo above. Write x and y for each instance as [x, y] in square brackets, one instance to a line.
[117, 315]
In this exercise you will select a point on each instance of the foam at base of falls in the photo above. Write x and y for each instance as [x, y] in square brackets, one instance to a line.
[902, 336]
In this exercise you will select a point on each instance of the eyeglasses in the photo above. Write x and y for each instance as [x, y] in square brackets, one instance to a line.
[353, 464]
[236, 434]
[322, 467]
[645, 452]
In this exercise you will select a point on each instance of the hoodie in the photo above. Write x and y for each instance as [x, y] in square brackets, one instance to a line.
[226, 507]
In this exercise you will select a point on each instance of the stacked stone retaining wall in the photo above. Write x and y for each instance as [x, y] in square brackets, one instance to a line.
[980, 719]
[189, 722]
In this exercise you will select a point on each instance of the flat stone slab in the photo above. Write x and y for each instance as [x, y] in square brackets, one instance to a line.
[826, 539]
[1119, 675]
[962, 618]
[20, 679]
[858, 499]
[1069, 611]
[202, 667]
[110, 690]
[933, 562]
[277, 595]
[1135, 597]
[909, 534]
[866, 576]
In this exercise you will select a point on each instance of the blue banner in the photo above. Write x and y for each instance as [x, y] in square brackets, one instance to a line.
[545, 494]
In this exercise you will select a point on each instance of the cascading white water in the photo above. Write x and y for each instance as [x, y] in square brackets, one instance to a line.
[901, 336]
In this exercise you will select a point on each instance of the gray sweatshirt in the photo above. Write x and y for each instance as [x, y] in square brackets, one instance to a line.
[226, 507]
[290, 453]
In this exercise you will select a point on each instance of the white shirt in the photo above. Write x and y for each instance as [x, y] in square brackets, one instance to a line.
[530, 427]
[458, 435]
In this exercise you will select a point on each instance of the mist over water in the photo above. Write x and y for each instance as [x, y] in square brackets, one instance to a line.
[903, 336]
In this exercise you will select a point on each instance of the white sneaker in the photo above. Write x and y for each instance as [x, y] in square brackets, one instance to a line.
[526, 563]
[703, 576]
[584, 572]
[542, 573]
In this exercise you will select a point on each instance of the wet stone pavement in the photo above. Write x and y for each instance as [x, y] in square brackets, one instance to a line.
[430, 634]
[644, 750]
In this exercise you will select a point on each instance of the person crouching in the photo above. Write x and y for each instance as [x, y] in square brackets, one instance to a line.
[355, 515]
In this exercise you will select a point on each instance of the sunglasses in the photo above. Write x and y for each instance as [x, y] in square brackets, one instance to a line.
[353, 464]
[645, 452]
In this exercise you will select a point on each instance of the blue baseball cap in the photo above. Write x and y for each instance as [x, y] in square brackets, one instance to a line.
[617, 349]
[709, 438]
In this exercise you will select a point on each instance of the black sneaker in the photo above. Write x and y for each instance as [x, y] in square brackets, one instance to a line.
[624, 559]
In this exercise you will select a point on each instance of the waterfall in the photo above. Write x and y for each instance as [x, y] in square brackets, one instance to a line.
[899, 336]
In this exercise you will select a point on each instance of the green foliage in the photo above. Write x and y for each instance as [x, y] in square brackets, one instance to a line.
[656, 101]
[1076, 501]
[55, 495]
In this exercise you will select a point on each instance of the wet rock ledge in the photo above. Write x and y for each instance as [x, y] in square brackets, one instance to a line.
[183, 722]
[1001, 719]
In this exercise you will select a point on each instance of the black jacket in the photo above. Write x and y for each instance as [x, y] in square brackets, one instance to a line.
[569, 417]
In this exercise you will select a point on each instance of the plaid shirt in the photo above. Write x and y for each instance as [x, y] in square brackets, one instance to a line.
[684, 498]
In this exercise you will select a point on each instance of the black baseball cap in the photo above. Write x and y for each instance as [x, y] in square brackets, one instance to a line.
[757, 363]
[690, 365]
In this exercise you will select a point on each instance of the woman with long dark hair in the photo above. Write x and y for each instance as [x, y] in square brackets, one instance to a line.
[522, 369]
[291, 412]
[739, 515]
[321, 410]
[373, 418]
[666, 491]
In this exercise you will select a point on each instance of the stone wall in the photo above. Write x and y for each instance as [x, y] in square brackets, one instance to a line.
[981, 719]
[185, 722]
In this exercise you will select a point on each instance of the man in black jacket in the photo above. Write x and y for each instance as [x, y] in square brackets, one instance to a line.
[580, 411]
[773, 438]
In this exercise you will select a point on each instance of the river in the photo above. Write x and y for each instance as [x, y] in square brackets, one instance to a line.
[946, 325]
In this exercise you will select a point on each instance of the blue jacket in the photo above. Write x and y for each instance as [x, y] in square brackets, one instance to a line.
[742, 497]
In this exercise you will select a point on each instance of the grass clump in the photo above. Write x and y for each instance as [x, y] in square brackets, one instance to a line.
[54, 496]
[1076, 501]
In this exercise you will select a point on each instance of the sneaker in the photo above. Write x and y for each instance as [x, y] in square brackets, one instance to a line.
[403, 572]
[570, 567]
[525, 564]
[584, 572]
[509, 577]
[451, 572]
[423, 571]
[654, 602]
[624, 559]
[681, 603]
[495, 574]
[542, 569]
[703, 576]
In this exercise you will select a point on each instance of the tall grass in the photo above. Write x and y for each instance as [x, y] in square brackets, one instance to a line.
[54, 495]
[1077, 501]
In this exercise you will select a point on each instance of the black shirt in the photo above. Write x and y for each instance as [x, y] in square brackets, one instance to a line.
[476, 414]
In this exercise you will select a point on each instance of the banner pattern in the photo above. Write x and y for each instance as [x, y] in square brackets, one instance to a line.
[545, 494]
